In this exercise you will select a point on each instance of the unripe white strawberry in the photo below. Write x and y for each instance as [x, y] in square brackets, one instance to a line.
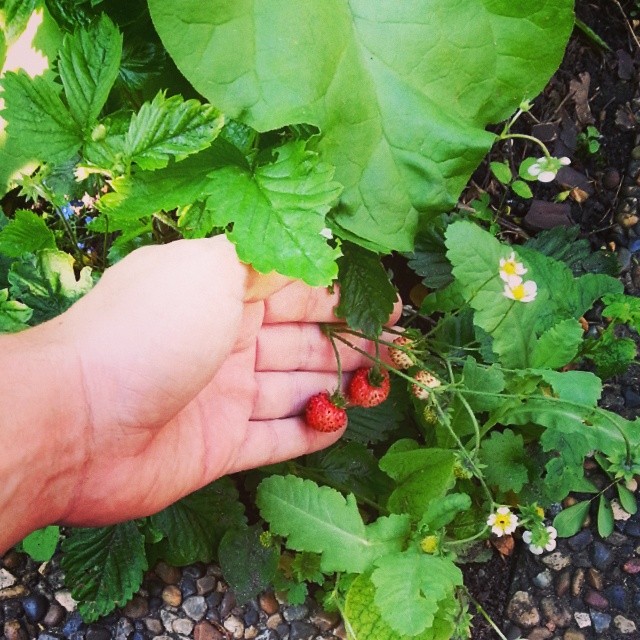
[400, 358]
[425, 379]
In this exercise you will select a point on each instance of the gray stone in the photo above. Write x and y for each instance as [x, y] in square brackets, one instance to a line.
[234, 626]
[55, 615]
[153, 625]
[582, 618]
[124, 629]
[98, 632]
[556, 561]
[624, 625]
[195, 607]
[555, 612]
[581, 540]
[295, 612]
[522, 610]
[205, 585]
[543, 579]
[183, 626]
[302, 631]
[7, 579]
[602, 556]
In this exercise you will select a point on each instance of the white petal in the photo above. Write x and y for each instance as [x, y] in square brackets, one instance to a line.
[565, 161]
[546, 176]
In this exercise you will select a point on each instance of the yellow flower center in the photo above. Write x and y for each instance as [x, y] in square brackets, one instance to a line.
[510, 268]
[518, 291]
[503, 520]
[429, 544]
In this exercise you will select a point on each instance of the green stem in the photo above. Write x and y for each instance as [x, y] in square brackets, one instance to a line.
[486, 616]
[71, 233]
[524, 136]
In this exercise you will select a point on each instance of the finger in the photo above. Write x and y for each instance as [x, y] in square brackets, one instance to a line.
[272, 441]
[298, 302]
[283, 394]
[260, 286]
[304, 346]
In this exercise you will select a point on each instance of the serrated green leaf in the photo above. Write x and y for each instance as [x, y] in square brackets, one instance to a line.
[16, 14]
[410, 587]
[479, 380]
[321, 520]
[193, 527]
[179, 184]
[170, 127]
[429, 258]
[38, 123]
[278, 213]
[422, 475]
[47, 283]
[88, 65]
[505, 459]
[440, 513]
[404, 136]
[569, 521]
[352, 465]
[623, 309]
[611, 355]
[365, 620]
[42, 543]
[558, 345]
[103, 567]
[366, 293]
[14, 315]
[475, 255]
[627, 499]
[26, 233]
[247, 565]
[605, 517]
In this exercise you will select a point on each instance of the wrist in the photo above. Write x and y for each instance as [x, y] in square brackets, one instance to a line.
[42, 414]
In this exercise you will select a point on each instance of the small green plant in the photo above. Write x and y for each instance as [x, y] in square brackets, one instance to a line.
[589, 140]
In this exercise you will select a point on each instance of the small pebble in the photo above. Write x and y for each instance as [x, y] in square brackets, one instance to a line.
[624, 625]
[13, 630]
[596, 600]
[55, 615]
[543, 579]
[632, 566]
[167, 573]
[577, 583]
[522, 610]
[172, 595]
[183, 626]
[35, 607]
[572, 634]
[195, 607]
[301, 630]
[602, 556]
[594, 578]
[540, 633]
[617, 596]
[227, 604]
[96, 632]
[581, 540]
[205, 585]
[206, 631]
[295, 612]
[234, 626]
[268, 603]
[137, 607]
[583, 619]
[601, 621]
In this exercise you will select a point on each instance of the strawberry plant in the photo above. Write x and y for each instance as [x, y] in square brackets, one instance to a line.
[346, 133]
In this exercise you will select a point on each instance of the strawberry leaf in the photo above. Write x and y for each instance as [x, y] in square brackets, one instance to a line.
[366, 294]
[505, 461]
[26, 233]
[193, 526]
[169, 127]
[14, 315]
[247, 565]
[88, 64]
[277, 213]
[104, 567]
[39, 125]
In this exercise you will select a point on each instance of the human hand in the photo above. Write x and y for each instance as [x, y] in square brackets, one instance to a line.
[191, 367]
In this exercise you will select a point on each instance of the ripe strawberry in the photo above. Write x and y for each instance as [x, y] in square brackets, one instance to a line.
[369, 387]
[400, 358]
[323, 413]
[428, 380]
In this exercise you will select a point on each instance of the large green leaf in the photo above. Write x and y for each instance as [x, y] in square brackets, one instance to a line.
[89, 63]
[402, 91]
[104, 567]
[410, 587]
[321, 520]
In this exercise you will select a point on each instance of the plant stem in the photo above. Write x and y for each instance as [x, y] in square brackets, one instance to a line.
[524, 136]
[486, 616]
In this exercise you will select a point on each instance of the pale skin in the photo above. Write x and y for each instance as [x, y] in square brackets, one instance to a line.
[181, 365]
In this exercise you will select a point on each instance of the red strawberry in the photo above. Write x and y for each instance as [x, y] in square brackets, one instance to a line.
[400, 358]
[369, 387]
[323, 413]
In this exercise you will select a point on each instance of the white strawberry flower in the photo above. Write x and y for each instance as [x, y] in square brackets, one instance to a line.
[516, 289]
[545, 169]
[503, 521]
[510, 268]
[541, 539]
